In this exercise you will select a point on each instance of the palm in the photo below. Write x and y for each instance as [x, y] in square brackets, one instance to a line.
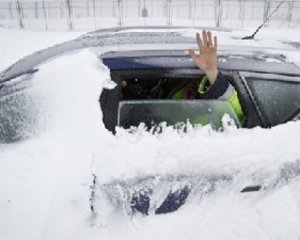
[207, 59]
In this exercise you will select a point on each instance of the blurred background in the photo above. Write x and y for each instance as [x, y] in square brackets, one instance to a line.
[86, 15]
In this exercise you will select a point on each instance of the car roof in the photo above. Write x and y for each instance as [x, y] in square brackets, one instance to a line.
[152, 38]
[153, 29]
[250, 61]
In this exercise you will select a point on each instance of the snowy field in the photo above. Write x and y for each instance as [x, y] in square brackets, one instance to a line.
[45, 180]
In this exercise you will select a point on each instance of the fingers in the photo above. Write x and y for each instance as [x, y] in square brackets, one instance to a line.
[207, 42]
[209, 39]
[204, 36]
[199, 41]
[215, 43]
[192, 54]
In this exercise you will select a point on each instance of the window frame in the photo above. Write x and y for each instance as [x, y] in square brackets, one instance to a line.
[110, 105]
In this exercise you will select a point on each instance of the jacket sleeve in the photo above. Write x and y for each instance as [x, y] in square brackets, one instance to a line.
[222, 90]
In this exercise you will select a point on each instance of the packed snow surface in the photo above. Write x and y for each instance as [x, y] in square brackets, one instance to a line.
[45, 180]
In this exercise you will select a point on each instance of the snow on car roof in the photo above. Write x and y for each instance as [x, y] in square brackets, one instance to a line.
[152, 38]
[253, 61]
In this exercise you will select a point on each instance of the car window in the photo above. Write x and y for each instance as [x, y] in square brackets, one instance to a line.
[150, 112]
[157, 88]
[278, 100]
[18, 110]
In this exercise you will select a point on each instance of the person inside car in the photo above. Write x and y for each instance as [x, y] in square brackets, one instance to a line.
[214, 85]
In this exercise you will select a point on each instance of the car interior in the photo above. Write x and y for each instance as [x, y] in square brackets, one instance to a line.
[147, 75]
[162, 88]
[147, 97]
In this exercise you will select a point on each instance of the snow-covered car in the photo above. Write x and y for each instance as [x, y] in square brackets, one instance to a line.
[145, 64]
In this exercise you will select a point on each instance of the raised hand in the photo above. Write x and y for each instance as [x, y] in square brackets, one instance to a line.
[207, 59]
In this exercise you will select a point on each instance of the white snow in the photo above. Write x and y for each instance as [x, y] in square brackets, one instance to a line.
[16, 44]
[45, 180]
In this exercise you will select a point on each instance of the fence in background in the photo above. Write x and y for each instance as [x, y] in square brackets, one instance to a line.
[94, 14]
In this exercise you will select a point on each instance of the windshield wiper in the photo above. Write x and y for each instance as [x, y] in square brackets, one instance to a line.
[267, 19]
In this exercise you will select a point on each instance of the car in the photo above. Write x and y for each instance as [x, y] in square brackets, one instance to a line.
[145, 65]
[153, 60]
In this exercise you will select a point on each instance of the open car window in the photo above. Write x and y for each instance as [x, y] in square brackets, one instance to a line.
[146, 96]
[157, 88]
[151, 112]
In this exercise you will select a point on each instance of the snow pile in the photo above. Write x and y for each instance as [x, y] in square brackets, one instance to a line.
[45, 181]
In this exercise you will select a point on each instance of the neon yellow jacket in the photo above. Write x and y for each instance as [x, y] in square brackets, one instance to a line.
[221, 90]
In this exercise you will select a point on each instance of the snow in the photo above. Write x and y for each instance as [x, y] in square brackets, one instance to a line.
[16, 44]
[273, 40]
[45, 180]
[84, 16]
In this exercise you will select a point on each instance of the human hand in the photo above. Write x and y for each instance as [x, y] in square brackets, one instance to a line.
[206, 60]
